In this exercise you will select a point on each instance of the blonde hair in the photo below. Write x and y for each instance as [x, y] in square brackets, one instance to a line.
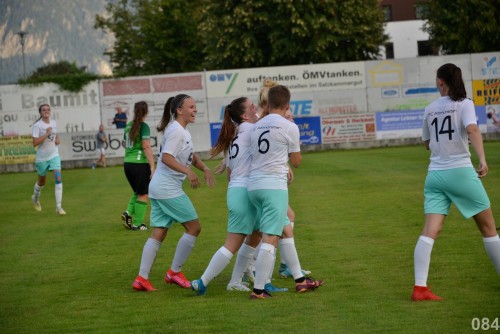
[264, 91]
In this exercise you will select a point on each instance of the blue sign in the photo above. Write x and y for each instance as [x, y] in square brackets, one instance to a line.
[399, 120]
[310, 130]
[214, 132]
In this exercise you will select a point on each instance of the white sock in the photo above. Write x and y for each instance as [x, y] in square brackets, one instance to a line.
[271, 272]
[219, 261]
[184, 248]
[492, 246]
[422, 259]
[243, 258]
[151, 248]
[288, 253]
[292, 223]
[264, 265]
[37, 190]
[59, 191]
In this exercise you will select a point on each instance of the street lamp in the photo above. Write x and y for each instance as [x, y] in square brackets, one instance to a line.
[21, 36]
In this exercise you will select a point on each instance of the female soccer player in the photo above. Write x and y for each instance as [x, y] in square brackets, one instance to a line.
[234, 141]
[449, 123]
[45, 136]
[139, 167]
[169, 203]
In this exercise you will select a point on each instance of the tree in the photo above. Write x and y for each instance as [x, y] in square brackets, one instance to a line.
[67, 75]
[152, 36]
[464, 26]
[252, 33]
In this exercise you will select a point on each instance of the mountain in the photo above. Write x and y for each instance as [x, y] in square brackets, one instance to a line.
[57, 30]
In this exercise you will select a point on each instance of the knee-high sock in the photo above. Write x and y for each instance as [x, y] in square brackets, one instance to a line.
[151, 248]
[37, 190]
[139, 212]
[243, 258]
[288, 253]
[422, 259]
[264, 265]
[184, 248]
[219, 261]
[282, 261]
[59, 191]
[492, 246]
[131, 204]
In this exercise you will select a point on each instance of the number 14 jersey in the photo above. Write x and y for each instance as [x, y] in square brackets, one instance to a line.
[445, 123]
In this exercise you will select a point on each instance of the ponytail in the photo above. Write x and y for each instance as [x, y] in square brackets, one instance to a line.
[170, 109]
[452, 76]
[232, 118]
[140, 111]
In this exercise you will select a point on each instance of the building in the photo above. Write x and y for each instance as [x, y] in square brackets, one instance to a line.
[405, 23]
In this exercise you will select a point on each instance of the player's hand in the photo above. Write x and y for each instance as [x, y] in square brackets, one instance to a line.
[483, 169]
[193, 179]
[209, 178]
[49, 131]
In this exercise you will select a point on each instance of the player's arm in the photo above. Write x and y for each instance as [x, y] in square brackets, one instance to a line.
[295, 159]
[170, 161]
[426, 144]
[477, 142]
[38, 140]
[200, 165]
[148, 152]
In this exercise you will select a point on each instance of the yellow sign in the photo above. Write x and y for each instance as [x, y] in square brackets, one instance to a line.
[486, 92]
[17, 150]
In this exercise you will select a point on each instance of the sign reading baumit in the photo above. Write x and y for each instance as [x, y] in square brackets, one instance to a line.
[300, 78]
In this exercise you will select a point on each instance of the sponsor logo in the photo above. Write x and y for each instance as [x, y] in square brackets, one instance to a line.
[229, 78]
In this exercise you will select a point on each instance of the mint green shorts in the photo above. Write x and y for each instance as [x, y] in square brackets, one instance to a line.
[165, 212]
[44, 166]
[271, 206]
[460, 186]
[242, 214]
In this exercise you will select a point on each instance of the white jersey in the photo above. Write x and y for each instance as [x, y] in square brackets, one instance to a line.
[48, 148]
[445, 123]
[238, 157]
[273, 138]
[166, 182]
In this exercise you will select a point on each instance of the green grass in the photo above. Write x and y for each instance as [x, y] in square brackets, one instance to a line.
[359, 214]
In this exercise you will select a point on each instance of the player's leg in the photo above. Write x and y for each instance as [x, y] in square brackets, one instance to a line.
[39, 184]
[183, 211]
[422, 256]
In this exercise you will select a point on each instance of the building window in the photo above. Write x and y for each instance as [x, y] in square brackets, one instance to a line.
[421, 10]
[389, 50]
[425, 48]
[387, 12]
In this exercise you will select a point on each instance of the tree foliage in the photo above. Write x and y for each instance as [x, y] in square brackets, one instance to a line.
[464, 26]
[250, 33]
[164, 36]
[67, 75]
[152, 36]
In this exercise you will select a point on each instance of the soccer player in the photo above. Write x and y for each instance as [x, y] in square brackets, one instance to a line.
[234, 140]
[273, 141]
[449, 124]
[139, 167]
[45, 136]
[169, 203]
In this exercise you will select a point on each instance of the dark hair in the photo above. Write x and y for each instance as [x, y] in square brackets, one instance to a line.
[452, 77]
[170, 109]
[278, 97]
[140, 111]
[232, 118]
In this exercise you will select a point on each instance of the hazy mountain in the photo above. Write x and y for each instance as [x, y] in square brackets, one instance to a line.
[57, 30]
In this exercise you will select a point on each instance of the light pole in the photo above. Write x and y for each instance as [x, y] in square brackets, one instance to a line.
[21, 36]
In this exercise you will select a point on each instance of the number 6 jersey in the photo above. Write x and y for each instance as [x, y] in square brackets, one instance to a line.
[273, 138]
[445, 123]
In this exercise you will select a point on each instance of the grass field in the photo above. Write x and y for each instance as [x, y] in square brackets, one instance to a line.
[359, 214]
